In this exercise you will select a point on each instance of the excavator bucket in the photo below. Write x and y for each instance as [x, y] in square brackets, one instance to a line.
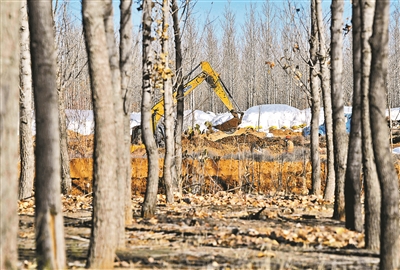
[232, 124]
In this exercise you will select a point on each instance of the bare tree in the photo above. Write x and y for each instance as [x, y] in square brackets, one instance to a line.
[326, 91]
[166, 74]
[315, 103]
[126, 65]
[267, 38]
[180, 106]
[394, 52]
[105, 191]
[62, 80]
[354, 220]
[390, 240]
[211, 52]
[122, 157]
[9, 70]
[230, 54]
[191, 43]
[371, 183]
[66, 183]
[251, 31]
[150, 200]
[50, 246]
[339, 130]
[25, 109]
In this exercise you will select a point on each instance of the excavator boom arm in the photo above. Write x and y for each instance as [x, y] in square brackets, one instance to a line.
[214, 81]
[158, 109]
[212, 78]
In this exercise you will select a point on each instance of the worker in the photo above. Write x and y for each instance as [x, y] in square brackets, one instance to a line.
[289, 144]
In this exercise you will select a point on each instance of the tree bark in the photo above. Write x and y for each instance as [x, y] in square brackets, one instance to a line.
[121, 149]
[64, 75]
[354, 219]
[66, 183]
[50, 245]
[105, 191]
[372, 188]
[9, 71]
[180, 106]
[327, 102]
[25, 109]
[339, 131]
[390, 240]
[126, 66]
[315, 104]
[150, 200]
[168, 109]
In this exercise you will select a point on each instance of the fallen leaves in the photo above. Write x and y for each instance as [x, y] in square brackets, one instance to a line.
[27, 206]
[262, 224]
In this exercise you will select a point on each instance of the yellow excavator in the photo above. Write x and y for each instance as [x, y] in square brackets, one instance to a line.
[214, 81]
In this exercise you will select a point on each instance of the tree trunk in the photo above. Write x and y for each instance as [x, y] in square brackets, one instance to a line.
[126, 66]
[50, 246]
[9, 71]
[121, 148]
[168, 110]
[326, 91]
[372, 188]
[105, 191]
[354, 219]
[180, 109]
[150, 200]
[25, 109]
[64, 56]
[390, 240]
[339, 131]
[315, 104]
[66, 183]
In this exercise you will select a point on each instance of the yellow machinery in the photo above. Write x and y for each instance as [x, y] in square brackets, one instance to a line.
[212, 78]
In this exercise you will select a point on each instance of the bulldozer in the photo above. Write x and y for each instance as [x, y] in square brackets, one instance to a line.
[214, 81]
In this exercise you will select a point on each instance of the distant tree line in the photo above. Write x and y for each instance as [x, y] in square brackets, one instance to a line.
[262, 61]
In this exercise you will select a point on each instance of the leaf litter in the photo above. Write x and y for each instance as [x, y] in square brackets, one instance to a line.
[215, 231]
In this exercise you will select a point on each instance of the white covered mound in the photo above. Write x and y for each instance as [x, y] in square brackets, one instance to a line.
[261, 117]
[273, 115]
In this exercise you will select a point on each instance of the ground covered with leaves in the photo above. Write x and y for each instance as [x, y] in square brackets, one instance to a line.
[220, 231]
[245, 206]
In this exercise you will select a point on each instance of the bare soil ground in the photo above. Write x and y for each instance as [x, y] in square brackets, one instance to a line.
[245, 207]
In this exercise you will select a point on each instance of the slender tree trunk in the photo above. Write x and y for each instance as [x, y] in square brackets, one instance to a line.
[315, 104]
[168, 110]
[66, 183]
[150, 200]
[9, 71]
[326, 91]
[50, 245]
[126, 66]
[339, 131]
[180, 109]
[390, 230]
[64, 65]
[25, 110]
[105, 191]
[354, 219]
[121, 149]
[372, 188]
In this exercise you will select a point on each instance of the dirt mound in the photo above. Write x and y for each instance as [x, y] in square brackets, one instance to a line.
[245, 159]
